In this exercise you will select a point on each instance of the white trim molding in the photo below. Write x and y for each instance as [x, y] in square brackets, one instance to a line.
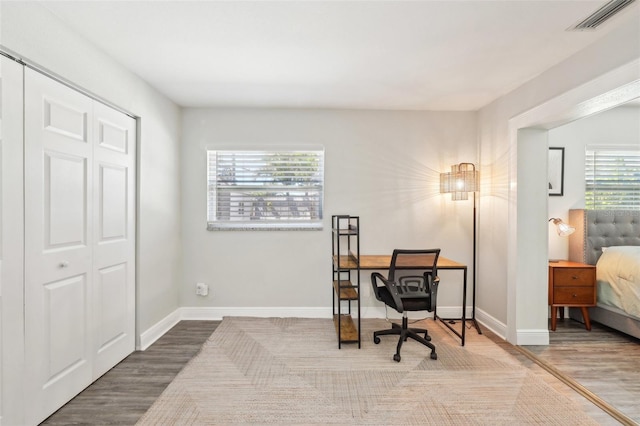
[530, 337]
[609, 90]
[487, 321]
[153, 333]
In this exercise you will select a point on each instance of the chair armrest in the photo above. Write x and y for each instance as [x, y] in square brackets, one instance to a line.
[375, 276]
[391, 287]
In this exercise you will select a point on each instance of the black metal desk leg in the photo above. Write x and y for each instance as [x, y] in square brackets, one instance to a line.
[463, 317]
[464, 305]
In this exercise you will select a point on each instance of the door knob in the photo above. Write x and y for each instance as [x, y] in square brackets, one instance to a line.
[64, 264]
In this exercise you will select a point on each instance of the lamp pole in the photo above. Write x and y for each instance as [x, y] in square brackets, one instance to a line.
[463, 179]
[474, 188]
[473, 307]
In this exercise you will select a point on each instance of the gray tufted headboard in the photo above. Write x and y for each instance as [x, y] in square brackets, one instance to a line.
[601, 228]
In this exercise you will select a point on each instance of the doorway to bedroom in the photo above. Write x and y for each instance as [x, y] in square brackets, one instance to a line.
[611, 380]
[572, 351]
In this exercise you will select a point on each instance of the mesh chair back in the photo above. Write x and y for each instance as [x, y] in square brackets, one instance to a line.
[413, 260]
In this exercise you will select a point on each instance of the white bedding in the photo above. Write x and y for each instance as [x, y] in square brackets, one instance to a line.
[618, 276]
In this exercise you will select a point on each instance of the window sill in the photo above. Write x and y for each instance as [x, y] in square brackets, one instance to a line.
[244, 226]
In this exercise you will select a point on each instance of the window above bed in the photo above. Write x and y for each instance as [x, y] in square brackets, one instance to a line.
[612, 178]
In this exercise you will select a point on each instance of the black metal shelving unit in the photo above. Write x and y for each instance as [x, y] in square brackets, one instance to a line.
[345, 253]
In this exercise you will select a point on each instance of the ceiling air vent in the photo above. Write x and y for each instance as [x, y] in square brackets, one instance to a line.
[601, 15]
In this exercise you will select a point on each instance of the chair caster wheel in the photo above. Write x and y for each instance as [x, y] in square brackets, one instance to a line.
[434, 355]
[396, 357]
[376, 339]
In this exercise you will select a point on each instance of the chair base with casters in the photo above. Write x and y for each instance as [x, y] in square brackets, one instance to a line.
[405, 333]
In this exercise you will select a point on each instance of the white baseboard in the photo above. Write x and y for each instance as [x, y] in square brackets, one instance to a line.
[523, 337]
[148, 337]
[217, 313]
[487, 321]
[153, 333]
[532, 337]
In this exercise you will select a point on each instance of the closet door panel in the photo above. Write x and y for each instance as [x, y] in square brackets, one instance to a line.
[112, 290]
[64, 119]
[114, 236]
[65, 329]
[65, 201]
[112, 221]
[58, 244]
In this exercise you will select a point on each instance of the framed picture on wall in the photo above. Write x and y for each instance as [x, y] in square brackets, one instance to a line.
[556, 171]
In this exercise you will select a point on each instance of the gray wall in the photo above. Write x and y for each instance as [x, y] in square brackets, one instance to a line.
[380, 165]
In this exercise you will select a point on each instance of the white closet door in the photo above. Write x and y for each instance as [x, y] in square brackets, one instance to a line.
[79, 242]
[58, 244]
[113, 236]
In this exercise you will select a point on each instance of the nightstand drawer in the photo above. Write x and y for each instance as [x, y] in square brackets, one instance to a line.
[574, 276]
[573, 296]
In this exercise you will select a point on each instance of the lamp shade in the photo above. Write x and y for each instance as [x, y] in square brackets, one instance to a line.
[462, 179]
[562, 228]
[446, 183]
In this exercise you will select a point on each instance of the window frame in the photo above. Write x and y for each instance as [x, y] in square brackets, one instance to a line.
[264, 172]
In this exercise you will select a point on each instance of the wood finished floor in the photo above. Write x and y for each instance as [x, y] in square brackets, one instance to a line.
[126, 392]
[606, 362]
[602, 360]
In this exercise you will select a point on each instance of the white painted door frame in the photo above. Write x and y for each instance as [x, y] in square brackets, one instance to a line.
[12, 244]
[526, 263]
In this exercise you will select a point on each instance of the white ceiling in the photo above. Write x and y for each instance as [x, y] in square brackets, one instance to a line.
[413, 55]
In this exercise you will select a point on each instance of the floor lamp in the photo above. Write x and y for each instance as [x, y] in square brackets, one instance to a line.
[462, 179]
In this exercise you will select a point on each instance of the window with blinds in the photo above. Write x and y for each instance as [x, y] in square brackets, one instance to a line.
[612, 178]
[265, 189]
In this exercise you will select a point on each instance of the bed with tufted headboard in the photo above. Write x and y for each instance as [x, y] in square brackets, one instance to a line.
[610, 239]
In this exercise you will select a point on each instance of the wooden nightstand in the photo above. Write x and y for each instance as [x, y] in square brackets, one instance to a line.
[571, 284]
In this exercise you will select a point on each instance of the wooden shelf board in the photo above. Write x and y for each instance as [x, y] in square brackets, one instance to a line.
[348, 332]
[346, 232]
[345, 262]
[345, 290]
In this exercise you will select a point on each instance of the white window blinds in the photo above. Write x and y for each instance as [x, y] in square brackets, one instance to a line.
[612, 178]
[265, 189]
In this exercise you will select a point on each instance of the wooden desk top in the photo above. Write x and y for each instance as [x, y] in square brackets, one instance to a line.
[382, 262]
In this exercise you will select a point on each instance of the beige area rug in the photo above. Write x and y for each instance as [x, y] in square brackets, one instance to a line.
[290, 371]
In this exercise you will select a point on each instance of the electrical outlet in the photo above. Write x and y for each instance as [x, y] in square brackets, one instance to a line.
[202, 289]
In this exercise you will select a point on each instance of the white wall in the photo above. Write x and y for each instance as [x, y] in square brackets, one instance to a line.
[30, 30]
[618, 126]
[499, 251]
[380, 165]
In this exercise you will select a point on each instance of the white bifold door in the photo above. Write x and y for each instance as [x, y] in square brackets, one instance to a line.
[79, 241]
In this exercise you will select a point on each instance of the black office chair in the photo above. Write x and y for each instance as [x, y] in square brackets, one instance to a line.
[412, 285]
